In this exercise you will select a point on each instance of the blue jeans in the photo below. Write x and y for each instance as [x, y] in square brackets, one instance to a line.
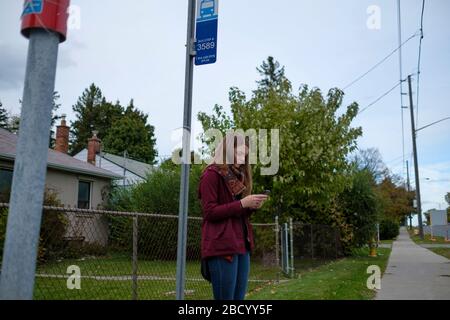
[229, 279]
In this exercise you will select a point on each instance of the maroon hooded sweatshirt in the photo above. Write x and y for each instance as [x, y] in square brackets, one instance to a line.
[224, 218]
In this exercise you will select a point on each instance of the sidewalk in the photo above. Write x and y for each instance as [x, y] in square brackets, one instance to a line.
[414, 272]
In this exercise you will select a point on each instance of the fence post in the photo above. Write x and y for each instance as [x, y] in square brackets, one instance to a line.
[135, 259]
[336, 242]
[285, 249]
[291, 231]
[312, 242]
[277, 241]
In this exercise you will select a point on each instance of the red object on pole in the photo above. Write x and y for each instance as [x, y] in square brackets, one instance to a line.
[45, 14]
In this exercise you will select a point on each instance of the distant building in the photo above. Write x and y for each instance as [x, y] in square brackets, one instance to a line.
[438, 217]
[439, 225]
[131, 171]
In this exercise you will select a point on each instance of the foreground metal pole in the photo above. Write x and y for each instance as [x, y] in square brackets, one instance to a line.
[27, 194]
[416, 164]
[185, 160]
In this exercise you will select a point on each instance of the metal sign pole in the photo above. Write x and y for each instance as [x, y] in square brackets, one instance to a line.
[185, 160]
[44, 22]
[27, 194]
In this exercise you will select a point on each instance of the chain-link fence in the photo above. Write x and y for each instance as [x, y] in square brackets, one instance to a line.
[314, 245]
[96, 254]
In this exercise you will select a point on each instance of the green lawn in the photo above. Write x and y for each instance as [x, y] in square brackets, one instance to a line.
[445, 252]
[110, 278]
[343, 279]
[427, 238]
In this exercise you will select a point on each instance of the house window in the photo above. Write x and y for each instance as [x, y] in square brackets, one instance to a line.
[5, 184]
[84, 195]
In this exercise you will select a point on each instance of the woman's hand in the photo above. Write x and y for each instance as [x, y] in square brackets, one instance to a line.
[253, 201]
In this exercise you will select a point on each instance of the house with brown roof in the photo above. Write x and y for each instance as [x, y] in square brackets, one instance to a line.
[77, 183]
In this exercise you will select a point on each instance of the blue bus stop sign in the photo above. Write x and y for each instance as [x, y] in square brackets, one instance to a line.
[206, 31]
[32, 6]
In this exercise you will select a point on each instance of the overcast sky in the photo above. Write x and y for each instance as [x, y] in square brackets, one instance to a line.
[135, 49]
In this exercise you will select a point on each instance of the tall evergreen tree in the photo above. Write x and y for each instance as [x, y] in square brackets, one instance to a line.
[93, 112]
[4, 121]
[55, 118]
[273, 78]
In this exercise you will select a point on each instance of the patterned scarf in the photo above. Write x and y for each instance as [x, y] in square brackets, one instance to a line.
[234, 178]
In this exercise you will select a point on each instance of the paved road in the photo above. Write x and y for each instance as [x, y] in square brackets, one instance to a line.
[414, 272]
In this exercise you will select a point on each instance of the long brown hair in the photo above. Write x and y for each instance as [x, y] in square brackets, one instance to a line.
[222, 158]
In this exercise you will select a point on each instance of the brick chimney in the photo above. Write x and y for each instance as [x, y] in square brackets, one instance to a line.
[62, 136]
[93, 147]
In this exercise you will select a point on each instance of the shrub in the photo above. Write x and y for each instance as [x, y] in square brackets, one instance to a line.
[389, 229]
[3, 218]
[159, 193]
[53, 229]
[359, 205]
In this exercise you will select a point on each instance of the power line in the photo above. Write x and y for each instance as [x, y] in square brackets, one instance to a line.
[418, 62]
[379, 98]
[432, 124]
[381, 62]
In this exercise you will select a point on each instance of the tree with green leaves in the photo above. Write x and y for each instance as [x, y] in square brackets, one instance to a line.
[360, 205]
[120, 129]
[314, 142]
[131, 133]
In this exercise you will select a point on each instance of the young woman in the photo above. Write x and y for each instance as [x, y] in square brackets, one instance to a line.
[227, 203]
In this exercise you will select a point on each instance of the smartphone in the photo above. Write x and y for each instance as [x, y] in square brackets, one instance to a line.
[266, 192]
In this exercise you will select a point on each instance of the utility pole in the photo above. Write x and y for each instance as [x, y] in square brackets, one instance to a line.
[409, 189]
[416, 164]
[185, 158]
[44, 23]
